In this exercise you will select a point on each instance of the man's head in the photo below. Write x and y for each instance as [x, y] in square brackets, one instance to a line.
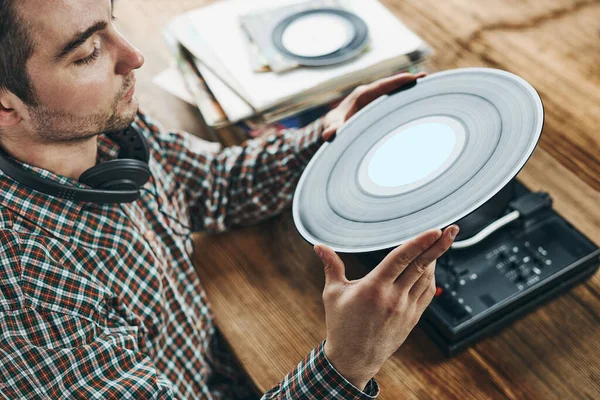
[66, 73]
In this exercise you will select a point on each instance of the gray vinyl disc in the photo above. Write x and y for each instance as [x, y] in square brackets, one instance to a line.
[419, 159]
[321, 37]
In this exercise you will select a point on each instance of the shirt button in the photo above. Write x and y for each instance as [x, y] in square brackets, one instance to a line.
[149, 235]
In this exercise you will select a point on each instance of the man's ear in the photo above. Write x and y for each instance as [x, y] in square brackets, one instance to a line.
[9, 110]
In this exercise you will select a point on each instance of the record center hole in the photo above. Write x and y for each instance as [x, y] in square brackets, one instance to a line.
[407, 155]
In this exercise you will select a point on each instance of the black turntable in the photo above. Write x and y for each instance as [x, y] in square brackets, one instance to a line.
[447, 150]
[488, 283]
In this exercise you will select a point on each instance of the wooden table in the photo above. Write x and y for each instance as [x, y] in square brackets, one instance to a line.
[265, 282]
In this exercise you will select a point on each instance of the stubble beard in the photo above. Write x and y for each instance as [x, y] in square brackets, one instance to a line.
[63, 126]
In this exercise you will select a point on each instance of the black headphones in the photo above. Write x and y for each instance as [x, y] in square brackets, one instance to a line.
[115, 181]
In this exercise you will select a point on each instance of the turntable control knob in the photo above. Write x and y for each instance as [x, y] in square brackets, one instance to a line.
[526, 272]
[452, 305]
[459, 312]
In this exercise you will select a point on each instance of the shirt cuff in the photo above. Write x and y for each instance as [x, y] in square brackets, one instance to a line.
[344, 389]
[307, 141]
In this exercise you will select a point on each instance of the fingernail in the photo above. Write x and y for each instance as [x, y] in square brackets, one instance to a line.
[454, 231]
[318, 250]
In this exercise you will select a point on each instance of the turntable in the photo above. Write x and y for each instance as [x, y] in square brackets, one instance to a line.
[447, 150]
[488, 283]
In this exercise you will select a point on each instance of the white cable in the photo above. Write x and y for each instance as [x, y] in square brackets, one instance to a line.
[488, 230]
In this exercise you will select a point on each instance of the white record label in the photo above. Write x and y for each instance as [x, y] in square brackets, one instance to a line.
[411, 155]
[316, 35]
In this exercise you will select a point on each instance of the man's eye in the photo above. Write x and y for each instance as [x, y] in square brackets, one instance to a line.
[89, 59]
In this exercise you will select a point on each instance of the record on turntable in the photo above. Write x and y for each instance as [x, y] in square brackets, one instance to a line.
[321, 37]
[422, 158]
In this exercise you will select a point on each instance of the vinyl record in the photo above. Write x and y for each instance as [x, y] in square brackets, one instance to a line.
[419, 159]
[321, 37]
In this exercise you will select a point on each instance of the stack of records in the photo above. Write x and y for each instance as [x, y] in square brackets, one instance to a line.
[260, 62]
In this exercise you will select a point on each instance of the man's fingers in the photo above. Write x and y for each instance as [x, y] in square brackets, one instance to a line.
[423, 282]
[365, 94]
[335, 271]
[329, 134]
[426, 296]
[419, 265]
[398, 259]
[385, 85]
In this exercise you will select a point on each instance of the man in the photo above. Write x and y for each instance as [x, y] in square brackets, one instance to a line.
[101, 300]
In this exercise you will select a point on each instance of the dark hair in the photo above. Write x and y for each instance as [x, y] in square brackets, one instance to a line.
[16, 47]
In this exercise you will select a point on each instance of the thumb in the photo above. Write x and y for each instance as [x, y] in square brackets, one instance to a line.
[329, 134]
[332, 264]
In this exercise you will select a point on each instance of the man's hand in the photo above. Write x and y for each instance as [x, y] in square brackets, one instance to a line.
[369, 319]
[360, 97]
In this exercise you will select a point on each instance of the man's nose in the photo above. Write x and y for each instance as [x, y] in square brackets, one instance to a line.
[128, 58]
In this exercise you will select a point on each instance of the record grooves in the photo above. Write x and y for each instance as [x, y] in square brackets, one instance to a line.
[349, 50]
[423, 158]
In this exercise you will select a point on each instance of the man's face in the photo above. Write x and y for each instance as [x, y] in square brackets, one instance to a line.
[82, 69]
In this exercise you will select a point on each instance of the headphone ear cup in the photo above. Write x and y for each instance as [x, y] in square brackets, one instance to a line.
[118, 175]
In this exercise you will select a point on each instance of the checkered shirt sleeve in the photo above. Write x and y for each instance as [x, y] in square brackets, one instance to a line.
[45, 354]
[83, 314]
[238, 185]
[243, 185]
[316, 378]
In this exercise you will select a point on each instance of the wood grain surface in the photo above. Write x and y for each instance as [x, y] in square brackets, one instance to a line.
[265, 282]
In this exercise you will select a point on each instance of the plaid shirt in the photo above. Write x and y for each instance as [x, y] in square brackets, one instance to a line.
[102, 301]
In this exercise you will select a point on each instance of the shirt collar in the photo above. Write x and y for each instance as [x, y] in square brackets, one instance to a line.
[53, 214]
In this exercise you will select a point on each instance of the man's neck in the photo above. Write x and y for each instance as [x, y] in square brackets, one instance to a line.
[68, 159]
